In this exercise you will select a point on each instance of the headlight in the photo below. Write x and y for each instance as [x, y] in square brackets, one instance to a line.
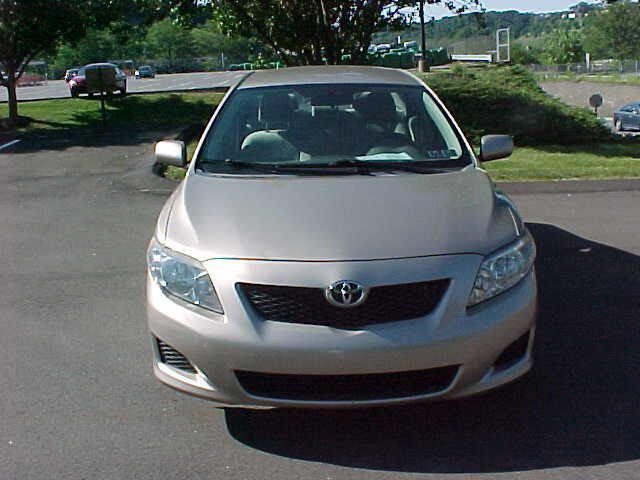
[503, 269]
[182, 277]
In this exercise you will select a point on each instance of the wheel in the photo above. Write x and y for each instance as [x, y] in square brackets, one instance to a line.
[74, 92]
[137, 77]
[123, 91]
[619, 126]
[90, 95]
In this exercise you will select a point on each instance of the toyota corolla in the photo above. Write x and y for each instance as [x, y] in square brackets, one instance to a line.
[336, 243]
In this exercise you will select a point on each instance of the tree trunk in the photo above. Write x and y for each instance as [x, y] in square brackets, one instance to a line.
[13, 98]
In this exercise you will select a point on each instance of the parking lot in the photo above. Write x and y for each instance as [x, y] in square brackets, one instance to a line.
[577, 94]
[80, 401]
[161, 83]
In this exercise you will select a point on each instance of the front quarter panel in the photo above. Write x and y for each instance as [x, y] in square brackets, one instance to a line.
[165, 214]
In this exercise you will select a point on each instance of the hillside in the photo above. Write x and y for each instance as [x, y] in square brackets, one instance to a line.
[470, 29]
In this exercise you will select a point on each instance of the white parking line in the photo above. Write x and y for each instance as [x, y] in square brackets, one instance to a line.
[8, 144]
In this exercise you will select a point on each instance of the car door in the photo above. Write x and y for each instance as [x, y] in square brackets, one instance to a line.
[634, 117]
[623, 116]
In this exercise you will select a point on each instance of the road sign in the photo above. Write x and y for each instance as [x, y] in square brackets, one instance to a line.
[596, 101]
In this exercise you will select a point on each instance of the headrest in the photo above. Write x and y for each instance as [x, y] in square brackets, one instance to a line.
[376, 106]
[276, 107]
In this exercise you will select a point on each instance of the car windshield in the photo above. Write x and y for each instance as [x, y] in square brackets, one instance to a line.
[332, 126]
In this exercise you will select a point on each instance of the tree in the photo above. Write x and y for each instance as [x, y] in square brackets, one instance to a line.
[617, 30]
[523, 54]
[169, 41]
[32, 28]
[29, 28]
[564, 46]
[319, 31]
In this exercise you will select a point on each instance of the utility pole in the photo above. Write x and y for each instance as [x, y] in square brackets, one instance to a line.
[422, 64]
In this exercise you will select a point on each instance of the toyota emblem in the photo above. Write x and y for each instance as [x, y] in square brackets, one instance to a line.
[346, 294]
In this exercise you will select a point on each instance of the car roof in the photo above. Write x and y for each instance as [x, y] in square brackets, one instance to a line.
[334, 74]
[95, 65]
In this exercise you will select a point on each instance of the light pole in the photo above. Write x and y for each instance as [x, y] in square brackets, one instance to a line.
[423, 66]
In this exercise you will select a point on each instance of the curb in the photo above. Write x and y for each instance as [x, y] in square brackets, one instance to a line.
[571, 186]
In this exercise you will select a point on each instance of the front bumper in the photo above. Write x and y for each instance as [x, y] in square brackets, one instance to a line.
[221, 345]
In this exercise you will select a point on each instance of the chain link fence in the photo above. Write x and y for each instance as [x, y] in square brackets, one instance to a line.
[595, 67]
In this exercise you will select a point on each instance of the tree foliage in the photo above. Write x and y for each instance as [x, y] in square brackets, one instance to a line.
[616, 31]
[32, 28]
[319, 31]
[564, 45]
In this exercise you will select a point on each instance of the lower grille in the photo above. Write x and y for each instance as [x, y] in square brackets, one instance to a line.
[174, 358]
[328, 388]
[309, 306]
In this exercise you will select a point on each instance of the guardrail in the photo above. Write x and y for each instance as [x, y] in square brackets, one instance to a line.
[472, 58]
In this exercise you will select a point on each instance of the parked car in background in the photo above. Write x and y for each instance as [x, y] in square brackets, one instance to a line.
[78, 83]
[357, 253]
[145, 71]
[627, 117]
[69, 74]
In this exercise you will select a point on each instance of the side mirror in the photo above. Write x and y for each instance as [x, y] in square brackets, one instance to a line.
[493, 147]
[171, 152]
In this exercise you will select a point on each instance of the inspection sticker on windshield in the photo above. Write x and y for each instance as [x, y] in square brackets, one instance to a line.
[441, 153]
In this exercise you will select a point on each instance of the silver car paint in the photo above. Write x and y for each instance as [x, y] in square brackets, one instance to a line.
[338, 218]
[239, 226]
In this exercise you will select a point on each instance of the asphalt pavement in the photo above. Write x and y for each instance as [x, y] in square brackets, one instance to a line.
[79, 400]
[161, 83]
[614, 95]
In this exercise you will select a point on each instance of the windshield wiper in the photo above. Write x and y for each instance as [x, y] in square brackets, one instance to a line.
[344, 166]
[365, 166]
[276, 168]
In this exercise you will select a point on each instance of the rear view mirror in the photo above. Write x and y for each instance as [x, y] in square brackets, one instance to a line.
[493, 147]
[171, 152]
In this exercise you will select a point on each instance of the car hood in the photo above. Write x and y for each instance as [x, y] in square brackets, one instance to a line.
[336, 218]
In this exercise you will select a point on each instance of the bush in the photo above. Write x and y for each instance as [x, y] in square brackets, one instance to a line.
[508, 100]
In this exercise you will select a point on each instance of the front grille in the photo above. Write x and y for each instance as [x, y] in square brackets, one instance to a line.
[309, 306]
[327, 388]
[172, 357]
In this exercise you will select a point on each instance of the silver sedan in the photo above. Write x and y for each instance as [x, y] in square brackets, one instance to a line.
[336, 243]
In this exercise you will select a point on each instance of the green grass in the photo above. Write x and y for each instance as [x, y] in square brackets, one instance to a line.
[155, 111]
[573, 162]
[489, 100]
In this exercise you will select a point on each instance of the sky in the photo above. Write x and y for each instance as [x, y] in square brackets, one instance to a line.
[520, 5]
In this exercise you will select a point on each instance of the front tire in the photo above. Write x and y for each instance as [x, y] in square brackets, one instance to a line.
[74, 92]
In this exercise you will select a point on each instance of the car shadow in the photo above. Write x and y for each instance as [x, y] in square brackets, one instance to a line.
[579, 405]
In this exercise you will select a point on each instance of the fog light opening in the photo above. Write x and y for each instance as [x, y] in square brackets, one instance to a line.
[513, 353]
[172, 357]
